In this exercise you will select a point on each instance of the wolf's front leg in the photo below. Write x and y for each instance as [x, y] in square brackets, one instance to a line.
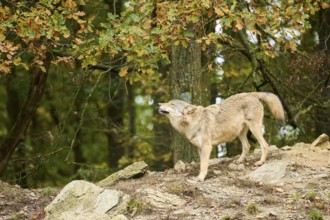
[205, 153]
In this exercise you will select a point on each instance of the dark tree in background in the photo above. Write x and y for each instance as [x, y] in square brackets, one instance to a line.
[188, 82]
[185, 84]
[324, 36]
[19, 128]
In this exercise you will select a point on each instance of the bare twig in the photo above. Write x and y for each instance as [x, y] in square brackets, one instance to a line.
[276, 91]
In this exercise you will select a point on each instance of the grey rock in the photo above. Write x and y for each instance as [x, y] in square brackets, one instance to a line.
[270, 173]
[286, 148]
[218, 191]
[83, 200]
[293, 174]
[180, 166]
[132, 170]
[320, 140]
[237, 167]
[160, 199]
[273, 148]
[120, 217]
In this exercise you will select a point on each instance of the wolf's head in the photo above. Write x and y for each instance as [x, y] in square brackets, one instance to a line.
[175, 108]
[179, 112]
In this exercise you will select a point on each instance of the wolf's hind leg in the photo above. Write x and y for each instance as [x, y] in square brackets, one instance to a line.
[256, 130]
[245, 144]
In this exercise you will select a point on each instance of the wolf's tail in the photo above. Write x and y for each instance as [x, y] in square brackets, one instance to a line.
[274, 104]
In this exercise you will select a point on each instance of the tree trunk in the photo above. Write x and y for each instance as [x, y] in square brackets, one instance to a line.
[115, 109]
[18, 131]
[187, 83]
[115, 122]
[115, 6]
[161, 128]
[323, 124]
[78, 156]
[13, 103]
[13, 107]
[131, 120]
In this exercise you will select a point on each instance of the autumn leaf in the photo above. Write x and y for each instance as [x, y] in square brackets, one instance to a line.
[17, 61]
[66, 35]
[239, 25]
[43, 69]
[270, 53]
[80, 13]
[325, 5]
[123, 71]
[184, 44]
[78, 41]
[218, 11]
[139, 53]
[293, 46]
[5, 68]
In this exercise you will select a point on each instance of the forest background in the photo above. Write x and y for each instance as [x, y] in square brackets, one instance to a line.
[80, 80]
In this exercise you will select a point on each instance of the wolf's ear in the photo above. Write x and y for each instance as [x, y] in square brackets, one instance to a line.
[189, 110]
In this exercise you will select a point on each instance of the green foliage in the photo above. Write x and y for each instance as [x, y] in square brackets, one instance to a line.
[252, 208]
[297, 196]
[311, 196]
[315, 215]
[48, 191]
[144, 32]
[92, 173]
[136, 207]
[141, 38]
[35, 29]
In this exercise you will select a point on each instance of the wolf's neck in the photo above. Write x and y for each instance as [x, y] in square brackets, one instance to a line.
[180, 125]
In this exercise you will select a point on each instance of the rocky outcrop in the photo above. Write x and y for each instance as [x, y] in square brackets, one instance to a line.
[160, 199]
[81, 200]
[323, 138]
[279, 189]
[136, 169]
[270, 173]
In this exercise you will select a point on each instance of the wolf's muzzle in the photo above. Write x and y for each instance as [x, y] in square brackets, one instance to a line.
[161, 111]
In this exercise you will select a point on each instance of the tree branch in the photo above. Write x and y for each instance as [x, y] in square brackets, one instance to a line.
[276, 91]
[99, 66]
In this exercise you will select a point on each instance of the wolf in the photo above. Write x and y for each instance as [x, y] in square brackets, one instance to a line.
[223, 122]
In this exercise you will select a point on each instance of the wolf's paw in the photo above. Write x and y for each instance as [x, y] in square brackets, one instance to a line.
[200, 179]
[196, 179]
[259, 163]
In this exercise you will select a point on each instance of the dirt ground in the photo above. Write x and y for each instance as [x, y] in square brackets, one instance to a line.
[18, 203]
[303, 194]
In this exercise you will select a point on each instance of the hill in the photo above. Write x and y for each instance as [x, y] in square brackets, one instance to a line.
[293, 184]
